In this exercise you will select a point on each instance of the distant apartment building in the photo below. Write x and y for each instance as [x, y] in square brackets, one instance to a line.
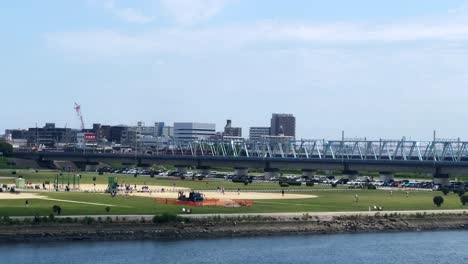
[116, 133]
[187, 131]
[257, 133]
[283, 125]
[168, 132]
[158, 128]
[50, 136]
[16, 134]
[230, 131]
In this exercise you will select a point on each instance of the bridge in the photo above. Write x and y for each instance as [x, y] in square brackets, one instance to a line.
[440, 157]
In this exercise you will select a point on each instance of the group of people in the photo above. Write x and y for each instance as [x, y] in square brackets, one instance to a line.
[220, 189]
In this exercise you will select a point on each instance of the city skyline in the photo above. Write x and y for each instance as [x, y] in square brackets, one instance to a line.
[387, 69]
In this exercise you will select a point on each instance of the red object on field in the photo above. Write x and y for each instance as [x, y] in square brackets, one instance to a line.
[206, 202]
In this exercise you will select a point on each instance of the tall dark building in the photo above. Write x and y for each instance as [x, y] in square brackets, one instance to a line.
[49, 135]
[283, 124]
[230, 131]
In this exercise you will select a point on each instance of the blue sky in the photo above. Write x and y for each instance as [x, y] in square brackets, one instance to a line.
[372, 68]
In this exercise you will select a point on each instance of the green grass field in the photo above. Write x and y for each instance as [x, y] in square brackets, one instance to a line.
[327, 200]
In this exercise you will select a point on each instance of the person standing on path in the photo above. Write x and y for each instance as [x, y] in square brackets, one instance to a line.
[282, 192]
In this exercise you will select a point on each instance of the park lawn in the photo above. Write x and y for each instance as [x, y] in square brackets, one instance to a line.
[335, 201]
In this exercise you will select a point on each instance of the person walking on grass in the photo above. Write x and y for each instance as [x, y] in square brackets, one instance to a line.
[26, 203]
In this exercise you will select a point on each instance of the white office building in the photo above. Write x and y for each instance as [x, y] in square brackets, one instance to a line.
[187, 132]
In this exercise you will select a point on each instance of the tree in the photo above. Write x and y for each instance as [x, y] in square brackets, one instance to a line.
[57, 209]
[438, 200]
[6, 148]
[445, 190]
[464, 199]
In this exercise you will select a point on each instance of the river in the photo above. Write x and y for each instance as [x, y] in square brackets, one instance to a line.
[415, 247]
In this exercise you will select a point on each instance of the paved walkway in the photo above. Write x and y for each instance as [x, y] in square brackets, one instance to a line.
[320, 215]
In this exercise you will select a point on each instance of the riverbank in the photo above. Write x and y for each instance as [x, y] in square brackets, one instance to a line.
[217, 227]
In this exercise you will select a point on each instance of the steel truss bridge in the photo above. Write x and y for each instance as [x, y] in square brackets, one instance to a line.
[347, 149]
[440, 157]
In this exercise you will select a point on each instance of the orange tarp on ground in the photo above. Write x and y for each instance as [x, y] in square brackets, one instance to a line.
[206, 202]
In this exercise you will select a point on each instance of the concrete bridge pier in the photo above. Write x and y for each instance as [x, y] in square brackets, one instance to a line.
[91, 166]
[442, 178]
[350, 174]
[241, 171]
[308, 174]
[271, 172]
[203, 170]
[386, 176]
[181, 169]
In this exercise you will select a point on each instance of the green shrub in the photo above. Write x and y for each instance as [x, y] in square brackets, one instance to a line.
[284, 184]
[13, 172]
[166, 218]
[460, 192]
[464, 199]
[371, 187]
[438, 200]
[57, 209]
[334, 185]
[310, 183]
[445, 190]
[88, 220]
[107, 209]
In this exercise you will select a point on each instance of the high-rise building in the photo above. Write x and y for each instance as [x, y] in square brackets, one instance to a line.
[283, 125]
[158, 128]
[187, 131]
[230, 131]
[257, 133]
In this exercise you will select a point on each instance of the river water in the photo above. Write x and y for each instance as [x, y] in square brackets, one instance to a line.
[417, 247]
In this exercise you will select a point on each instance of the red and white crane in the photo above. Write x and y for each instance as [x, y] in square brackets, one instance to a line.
[80, 116]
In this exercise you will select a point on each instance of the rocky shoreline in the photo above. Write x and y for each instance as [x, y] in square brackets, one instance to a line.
[219, 228]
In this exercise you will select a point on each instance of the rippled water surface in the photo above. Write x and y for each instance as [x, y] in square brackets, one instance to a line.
[422, 247]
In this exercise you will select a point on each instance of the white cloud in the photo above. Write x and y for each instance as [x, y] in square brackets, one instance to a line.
[181, 40]
[128, 14]
[191, 11]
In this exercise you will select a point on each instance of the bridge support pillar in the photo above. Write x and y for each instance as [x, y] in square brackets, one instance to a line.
[241, 171]
[91, 166]
[442, 179]
[350, 174]
[386, 176]
[203, 170]
[308, 174]
[181, 169]
[271, 173]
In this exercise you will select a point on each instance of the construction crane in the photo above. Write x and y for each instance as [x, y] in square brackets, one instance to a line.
[80, 116]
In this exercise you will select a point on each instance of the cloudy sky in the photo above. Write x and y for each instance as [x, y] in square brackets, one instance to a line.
[376, 69]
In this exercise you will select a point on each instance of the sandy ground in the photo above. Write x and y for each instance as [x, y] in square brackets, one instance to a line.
[103, 187]
[230, 195]
[171, 192]
[13, 196]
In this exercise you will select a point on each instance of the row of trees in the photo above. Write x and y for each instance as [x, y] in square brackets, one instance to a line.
[439, 200]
